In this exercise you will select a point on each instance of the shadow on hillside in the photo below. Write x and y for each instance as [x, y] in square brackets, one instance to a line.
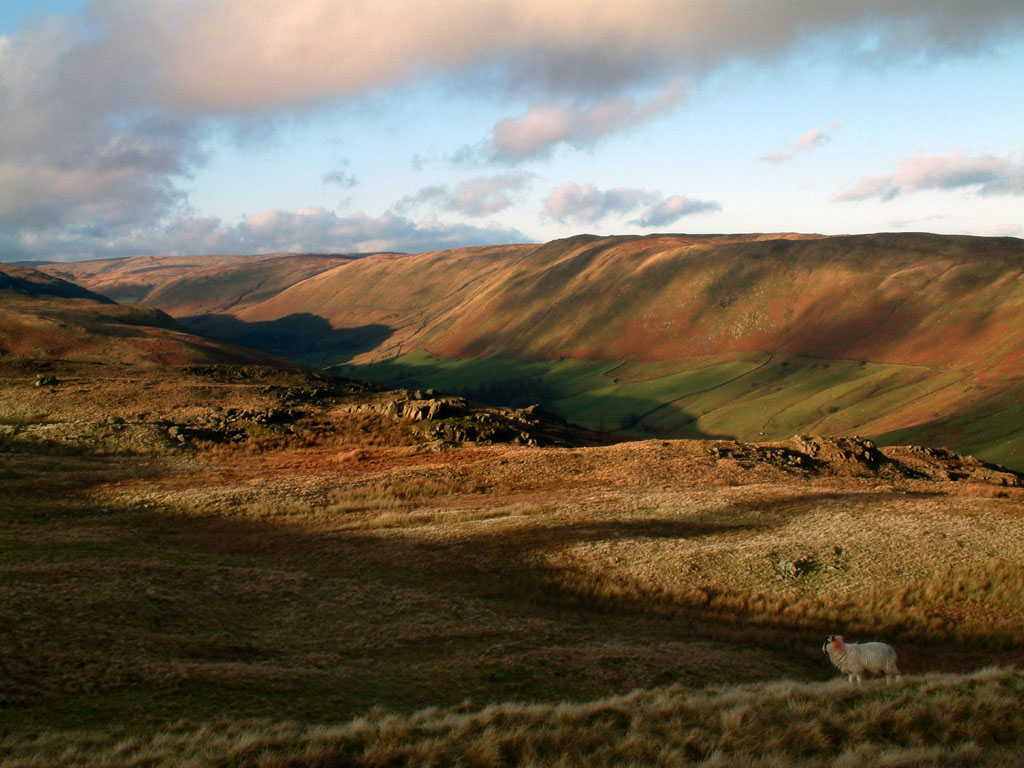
[525, 583]
[303, 337]
[405, 620]
[520, 387]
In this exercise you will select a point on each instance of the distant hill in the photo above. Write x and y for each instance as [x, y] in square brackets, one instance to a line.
[903, 337]
[224, 279]
[32, 282]
[46, 318]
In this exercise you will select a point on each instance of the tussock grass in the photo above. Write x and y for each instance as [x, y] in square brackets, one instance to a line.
[397, 501]
[399, 492]
[390, 511]
[934, 720]
[446, 517]
[960, 603]
[353, 568]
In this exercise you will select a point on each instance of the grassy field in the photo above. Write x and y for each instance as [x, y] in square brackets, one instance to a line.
[338, 588]
[937, 720]
[750, 396]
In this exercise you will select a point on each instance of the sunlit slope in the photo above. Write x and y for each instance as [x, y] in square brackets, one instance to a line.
[131, 279]
[220, 289]
[911, 299]
[917, 299]
[914, 336]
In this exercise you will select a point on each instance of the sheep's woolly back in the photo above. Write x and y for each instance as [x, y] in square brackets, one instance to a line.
[856, 659]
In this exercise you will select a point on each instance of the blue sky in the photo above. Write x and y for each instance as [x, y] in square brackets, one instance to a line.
[180, 126]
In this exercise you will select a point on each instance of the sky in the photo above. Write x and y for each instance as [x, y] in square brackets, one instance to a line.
[259, 126]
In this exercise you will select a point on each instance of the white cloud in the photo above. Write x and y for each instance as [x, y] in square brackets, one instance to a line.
[544, 126]
[990, 175]
[478, 196]
[671, 209]
[804, 142]
[586, 204]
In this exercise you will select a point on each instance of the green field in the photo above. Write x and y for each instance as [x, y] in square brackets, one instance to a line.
[747, 396]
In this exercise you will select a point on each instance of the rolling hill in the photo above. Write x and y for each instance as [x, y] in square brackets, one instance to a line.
[212, 283]
[904, 337]
[45, 318]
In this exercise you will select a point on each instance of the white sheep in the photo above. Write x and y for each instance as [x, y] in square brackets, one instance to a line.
[854, 659]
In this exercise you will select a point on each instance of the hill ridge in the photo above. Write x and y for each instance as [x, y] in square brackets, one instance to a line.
[878, 333]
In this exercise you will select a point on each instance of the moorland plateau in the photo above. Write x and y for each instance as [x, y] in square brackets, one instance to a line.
[215, 550]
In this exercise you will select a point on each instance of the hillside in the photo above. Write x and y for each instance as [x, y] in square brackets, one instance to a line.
[46, 318]
[213, 283]
[24, 281]
[219, 565]
[884, 298]
[902, 337]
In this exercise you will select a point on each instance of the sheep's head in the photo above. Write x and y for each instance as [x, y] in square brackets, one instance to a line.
[830, 640]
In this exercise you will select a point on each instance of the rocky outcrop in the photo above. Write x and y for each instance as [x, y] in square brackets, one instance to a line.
[449, 419]
[859, 457]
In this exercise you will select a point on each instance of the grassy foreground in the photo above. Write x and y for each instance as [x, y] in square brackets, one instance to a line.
[293, 577]
[935, 720]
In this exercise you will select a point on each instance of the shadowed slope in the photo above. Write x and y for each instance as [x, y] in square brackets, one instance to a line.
[46, 318]
[31, 282]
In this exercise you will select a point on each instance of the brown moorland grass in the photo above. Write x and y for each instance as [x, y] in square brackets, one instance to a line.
[933, 720]
[231, 605]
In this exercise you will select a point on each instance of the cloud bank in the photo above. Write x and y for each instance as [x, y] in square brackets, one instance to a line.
[988, 174]
[264, 54]
[273, 231]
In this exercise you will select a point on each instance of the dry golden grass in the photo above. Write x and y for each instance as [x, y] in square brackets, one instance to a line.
[938, 720]
[240, 606]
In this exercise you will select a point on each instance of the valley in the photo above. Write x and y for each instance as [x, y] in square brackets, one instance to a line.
[899, 337]
[217, 556]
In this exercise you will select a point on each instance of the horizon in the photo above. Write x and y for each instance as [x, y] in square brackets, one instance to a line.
[251, 128]
[365, 254]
